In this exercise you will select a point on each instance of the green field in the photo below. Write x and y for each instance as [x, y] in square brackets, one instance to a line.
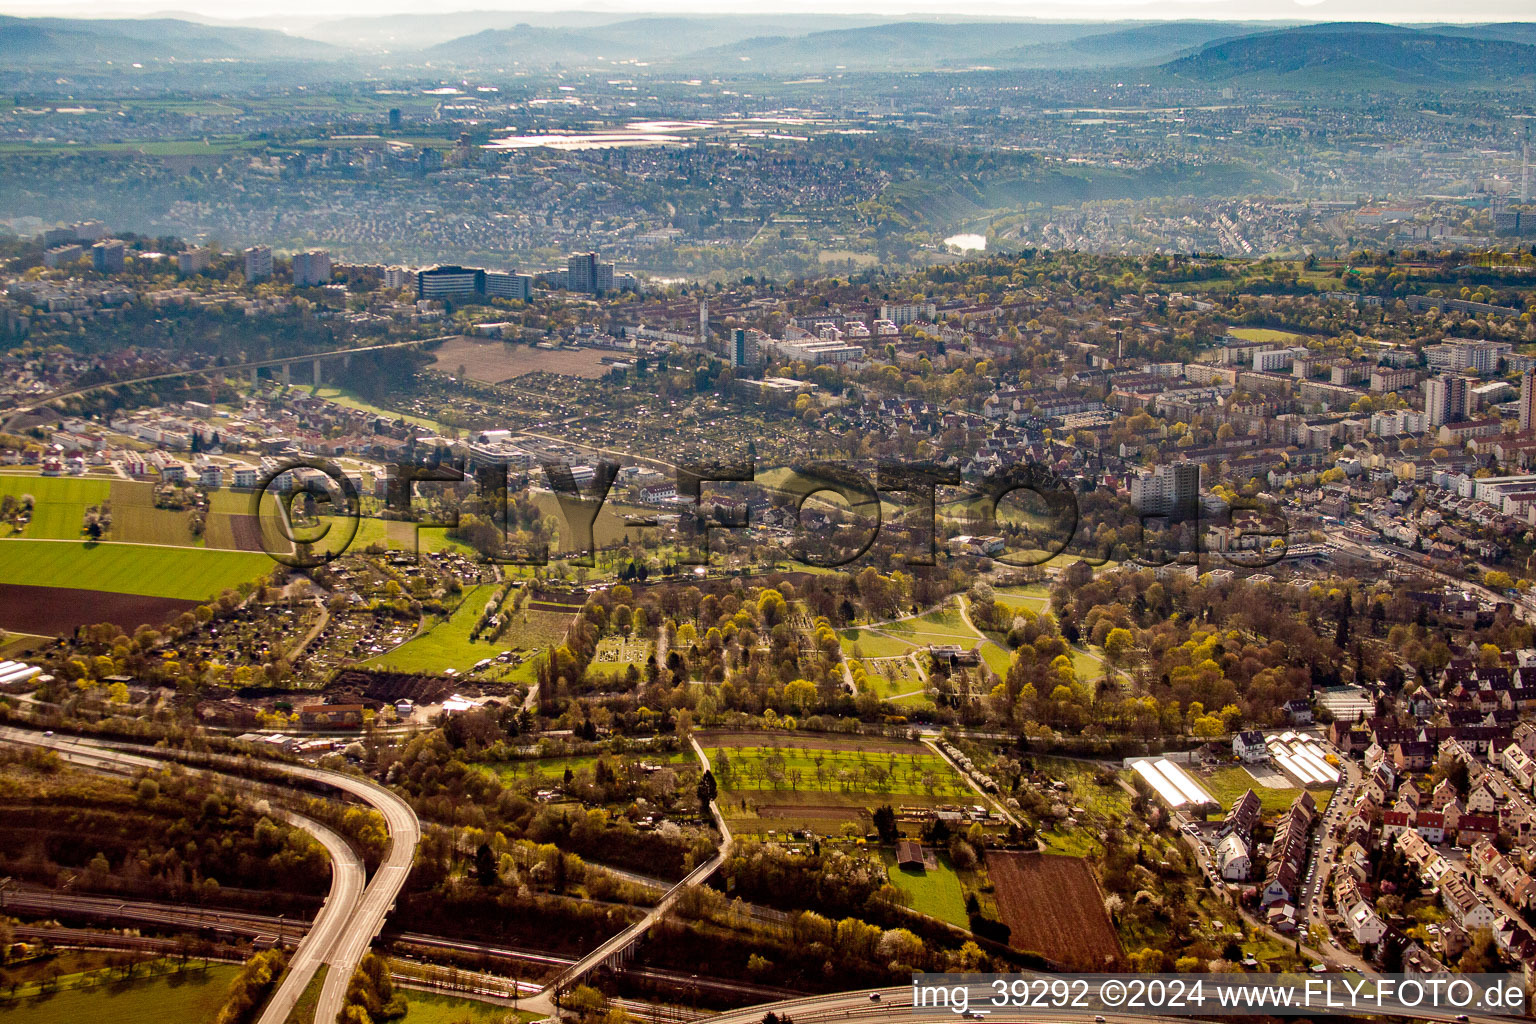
[446, 643]
[59, 502]
[431, 1008]
[1036, 598]
[340, 537]
[404, 536]
[822, 786]
[1110, 803]
[945, 626]
[1228, 784]
[837, 776]
[998, 659]
[872, 644]
[1267, 334]
[145, 524]
[555, 767]
[1103, 806]
[190, 998]
[1088, 666]
[890, 679]
[190, 574]
[937, 893]
[421, 1008]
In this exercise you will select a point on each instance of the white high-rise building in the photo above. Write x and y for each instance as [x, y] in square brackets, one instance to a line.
[194, 261]
[1528, 400]
[585, 272]
[311, 268]
[258, 263]
[902, 313]
[1169, 490]
[1445, 400]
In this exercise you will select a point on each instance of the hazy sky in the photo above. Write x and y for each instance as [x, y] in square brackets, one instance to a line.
[295, 13]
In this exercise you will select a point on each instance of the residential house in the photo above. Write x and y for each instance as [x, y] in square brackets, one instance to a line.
[1411, 756]
[1232, 859]
[1518, 765]
[1464, 905]
[1381, 784]
[1430, 825]
[1249, 745]
[1476, 828]
[1481, 799]
[1243, 815]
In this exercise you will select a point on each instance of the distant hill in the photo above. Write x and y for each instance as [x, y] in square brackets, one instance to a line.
[779, 44]
[50, 41]
[1511, 31]
[817, 44]
[1127, 47]
[679, 34]
[897, 46]
[654, 39]
[1359, 55]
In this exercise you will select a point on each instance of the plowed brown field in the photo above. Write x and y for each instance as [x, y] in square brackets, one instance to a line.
[1053, 907]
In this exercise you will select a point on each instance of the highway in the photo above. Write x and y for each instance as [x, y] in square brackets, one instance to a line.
[353, 915]
[347, 877]
[895, 1003]
[378, 899]
[48, 902]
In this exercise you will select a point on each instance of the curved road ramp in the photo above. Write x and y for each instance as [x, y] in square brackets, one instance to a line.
[353, 913]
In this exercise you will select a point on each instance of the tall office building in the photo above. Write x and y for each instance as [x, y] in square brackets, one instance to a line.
[744, 347]
[500, 285]
[258, 263]
[311, 268]
[1170, 490]
[584, 272]
[449, 281]
[109, 256]
[194, 261]
[1528, 400]
[1445, 400]
[581, 271]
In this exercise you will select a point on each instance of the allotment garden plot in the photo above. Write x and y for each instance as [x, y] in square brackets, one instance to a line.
[789, 781]
[616, 654]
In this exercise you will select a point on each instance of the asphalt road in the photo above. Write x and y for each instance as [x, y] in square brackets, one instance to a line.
[347, 878]
[896, 1004]
[378, 899]
[353, 915]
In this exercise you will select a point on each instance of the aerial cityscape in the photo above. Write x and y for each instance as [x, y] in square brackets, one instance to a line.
[655, 514]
